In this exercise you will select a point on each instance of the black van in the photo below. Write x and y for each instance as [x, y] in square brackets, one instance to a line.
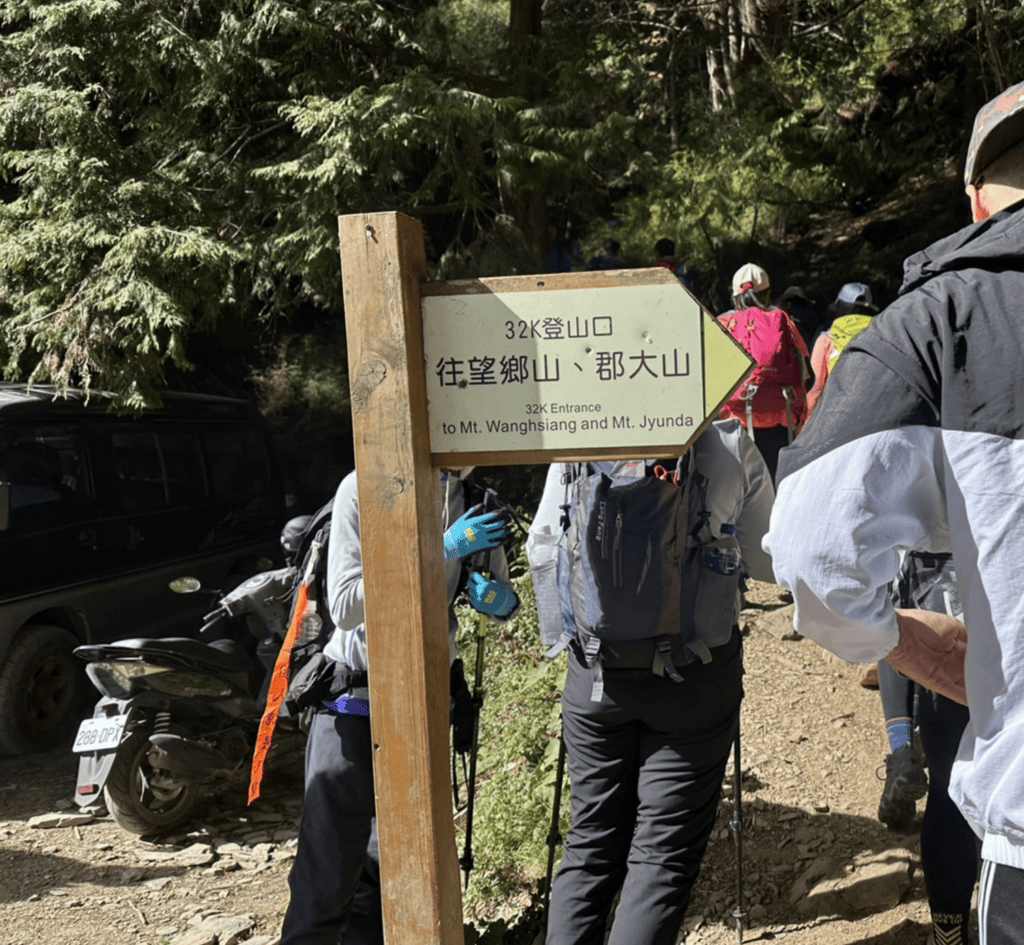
[98, 513]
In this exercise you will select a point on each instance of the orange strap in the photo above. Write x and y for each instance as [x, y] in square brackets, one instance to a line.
[278, 690]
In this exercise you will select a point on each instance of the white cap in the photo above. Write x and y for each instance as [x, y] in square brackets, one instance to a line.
[749, 277]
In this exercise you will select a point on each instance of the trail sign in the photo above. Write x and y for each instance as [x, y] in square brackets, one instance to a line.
[657, 330]
[621, 363]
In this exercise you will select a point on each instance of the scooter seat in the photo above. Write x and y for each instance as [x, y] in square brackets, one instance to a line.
[224, 655]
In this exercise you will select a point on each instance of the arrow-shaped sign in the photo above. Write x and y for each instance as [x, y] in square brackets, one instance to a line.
[621, 363]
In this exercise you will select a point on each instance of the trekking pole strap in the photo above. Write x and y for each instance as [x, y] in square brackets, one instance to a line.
[749, 396]
[788, 393]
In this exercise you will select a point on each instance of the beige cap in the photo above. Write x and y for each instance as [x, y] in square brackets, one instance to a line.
[749, 277]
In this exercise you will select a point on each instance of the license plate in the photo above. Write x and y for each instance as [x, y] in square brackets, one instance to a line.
[100, 734]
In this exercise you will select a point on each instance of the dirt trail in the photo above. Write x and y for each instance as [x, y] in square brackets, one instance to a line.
[819, 867]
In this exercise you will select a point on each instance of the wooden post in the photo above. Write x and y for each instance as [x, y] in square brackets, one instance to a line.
[383, 263]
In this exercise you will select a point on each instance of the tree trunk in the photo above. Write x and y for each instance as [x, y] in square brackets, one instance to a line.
[525, 207]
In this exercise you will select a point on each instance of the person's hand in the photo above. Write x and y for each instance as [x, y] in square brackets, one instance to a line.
[474, 532]
[492, 597]
[931, 652]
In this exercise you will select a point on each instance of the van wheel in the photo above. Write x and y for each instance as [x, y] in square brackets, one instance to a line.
[41, 687]
[134, 803]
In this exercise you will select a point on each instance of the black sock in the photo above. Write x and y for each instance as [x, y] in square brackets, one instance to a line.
[950, 928]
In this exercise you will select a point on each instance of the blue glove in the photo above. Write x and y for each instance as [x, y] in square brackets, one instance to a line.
[472, 533]
[491, 597]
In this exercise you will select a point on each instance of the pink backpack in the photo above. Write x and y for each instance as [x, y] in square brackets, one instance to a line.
[772, 340]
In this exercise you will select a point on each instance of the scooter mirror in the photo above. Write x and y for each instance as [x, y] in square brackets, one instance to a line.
[185, 585]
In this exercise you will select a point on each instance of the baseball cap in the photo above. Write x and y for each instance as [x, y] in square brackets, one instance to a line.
[795, 292]
[856, 293]
[998, 126]
[749, 277]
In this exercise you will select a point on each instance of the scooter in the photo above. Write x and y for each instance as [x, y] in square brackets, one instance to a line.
[177, 713]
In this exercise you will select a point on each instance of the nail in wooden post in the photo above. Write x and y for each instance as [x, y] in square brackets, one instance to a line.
[383, 263]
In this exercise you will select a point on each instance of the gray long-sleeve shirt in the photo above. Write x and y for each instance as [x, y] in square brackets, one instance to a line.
[345, 568]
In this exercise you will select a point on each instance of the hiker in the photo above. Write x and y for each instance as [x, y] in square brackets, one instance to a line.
[647, 751]
[771, 402]
[852, 312]
[665, 258]
[949, 851]
[915, 444]
[335, 879]
[800, 307]
[607, 258]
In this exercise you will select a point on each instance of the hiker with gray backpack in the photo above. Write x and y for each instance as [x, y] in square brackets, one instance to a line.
[637, 567]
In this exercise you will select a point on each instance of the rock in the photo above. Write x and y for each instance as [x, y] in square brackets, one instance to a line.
[220, 868]
[285, 833]
[159, 883]
[758, 914]
[779, 623]
[64, 805]
[217, 930]
[267, 817]
[59, 819]
[264, 940]
[822, 866]
[260, 836]
[693, 923]
[132, 876]
[199, 854]
[873, 883]
[200, 935]
[155, 856]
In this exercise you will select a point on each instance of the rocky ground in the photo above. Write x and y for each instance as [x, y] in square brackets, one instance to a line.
[819, 868]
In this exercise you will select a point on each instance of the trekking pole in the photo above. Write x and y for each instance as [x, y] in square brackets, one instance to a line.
[466, 861]
[787, 393]
[736, 826]
[554, 834]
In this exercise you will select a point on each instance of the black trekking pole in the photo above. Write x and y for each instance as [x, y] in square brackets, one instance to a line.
[466, 861]
[554, 839]
[736, 826]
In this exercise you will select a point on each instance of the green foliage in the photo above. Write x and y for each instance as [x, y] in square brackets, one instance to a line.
[518, 755]
[175, 169]
[303, 393]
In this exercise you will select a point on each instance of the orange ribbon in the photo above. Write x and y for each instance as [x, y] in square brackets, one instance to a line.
[278, 690]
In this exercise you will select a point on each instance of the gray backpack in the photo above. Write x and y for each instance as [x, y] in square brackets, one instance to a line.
[641, 580]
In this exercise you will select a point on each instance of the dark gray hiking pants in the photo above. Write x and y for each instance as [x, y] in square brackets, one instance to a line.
[1001, 904]
[335, 879]
[650, 755]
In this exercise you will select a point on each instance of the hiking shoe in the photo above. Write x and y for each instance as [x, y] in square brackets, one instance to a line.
[905, 782]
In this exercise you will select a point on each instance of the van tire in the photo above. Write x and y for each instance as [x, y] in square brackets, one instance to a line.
[133, 805]
[41, 690]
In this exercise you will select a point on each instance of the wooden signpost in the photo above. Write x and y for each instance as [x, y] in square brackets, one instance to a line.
[515, 370]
